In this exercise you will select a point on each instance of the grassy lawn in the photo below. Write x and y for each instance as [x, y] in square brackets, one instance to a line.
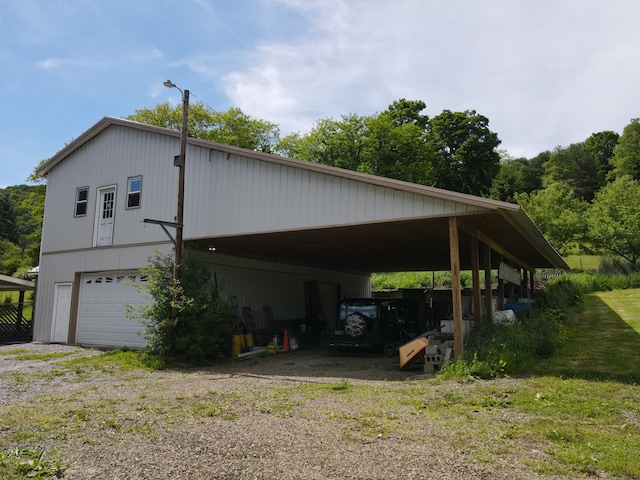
[602, 341]
[588, 395]
[586, 263]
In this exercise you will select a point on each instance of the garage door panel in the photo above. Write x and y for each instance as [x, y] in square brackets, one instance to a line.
[101, 311]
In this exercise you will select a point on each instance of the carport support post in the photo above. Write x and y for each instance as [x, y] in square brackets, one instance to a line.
[475, 274]
[488, 294]
[20, 310]
[456, 293]
[532, 289]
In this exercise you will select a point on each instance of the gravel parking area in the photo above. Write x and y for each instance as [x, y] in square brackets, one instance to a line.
[286, 416]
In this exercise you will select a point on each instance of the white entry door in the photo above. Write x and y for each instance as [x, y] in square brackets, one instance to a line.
[61, 313]
[105, 215]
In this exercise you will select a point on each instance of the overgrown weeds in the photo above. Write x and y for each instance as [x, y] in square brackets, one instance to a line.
[496, 350]
[27, 463]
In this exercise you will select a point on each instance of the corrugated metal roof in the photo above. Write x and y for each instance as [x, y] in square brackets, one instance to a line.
[419, 243]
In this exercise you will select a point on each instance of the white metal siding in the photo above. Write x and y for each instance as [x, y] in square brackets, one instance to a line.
[228, 194]
[258, 283]
[254, 283]
[62, 267]
[109, 159]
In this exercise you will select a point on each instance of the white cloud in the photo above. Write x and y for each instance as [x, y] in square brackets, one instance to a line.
[49, 63]
[543, 72]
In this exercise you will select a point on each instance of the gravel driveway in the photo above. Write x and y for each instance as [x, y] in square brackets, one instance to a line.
[285, 416]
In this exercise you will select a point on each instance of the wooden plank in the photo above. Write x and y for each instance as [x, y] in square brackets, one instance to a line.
[456, 292]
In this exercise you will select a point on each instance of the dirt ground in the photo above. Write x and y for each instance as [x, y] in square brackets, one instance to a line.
[285, 416]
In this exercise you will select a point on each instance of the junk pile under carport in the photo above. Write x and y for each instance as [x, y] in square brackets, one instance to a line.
[435, 349]
[249, 341]
[437, 345]
[288, 343]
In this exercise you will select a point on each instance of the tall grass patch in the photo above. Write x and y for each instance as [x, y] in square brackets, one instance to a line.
[494, 350]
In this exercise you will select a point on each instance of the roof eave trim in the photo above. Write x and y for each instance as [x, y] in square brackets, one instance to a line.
[521, 222]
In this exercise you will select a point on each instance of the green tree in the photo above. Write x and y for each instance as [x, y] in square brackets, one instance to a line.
[8, 228]
[33, 205]
[576, 166]
[10, 257]
[21, 212]
[626, 157]
[390, 144]
[557, 212]
[614, 219]
[338, 143]
[396, 144]
[232, 127]
[202, 331]
[465, 151]
[534, 172]
[509, 180]
[602, 147]
[404, 112]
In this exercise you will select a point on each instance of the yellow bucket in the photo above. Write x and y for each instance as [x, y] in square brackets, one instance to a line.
[248, 340]
[236, 345]
[271, 348]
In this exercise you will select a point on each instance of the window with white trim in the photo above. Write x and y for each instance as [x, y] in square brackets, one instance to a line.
[82, 194]
[134, 188]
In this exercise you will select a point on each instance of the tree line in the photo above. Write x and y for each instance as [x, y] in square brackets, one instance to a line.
[583, 194]
[21, 212]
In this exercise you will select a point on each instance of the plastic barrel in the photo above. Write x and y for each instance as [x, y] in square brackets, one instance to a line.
[236, 345]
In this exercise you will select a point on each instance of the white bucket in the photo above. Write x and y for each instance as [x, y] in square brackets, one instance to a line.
[504, 317]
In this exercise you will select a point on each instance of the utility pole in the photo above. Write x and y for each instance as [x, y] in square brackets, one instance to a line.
[179, 162]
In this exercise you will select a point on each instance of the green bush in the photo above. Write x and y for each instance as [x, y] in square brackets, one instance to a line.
[202, 330]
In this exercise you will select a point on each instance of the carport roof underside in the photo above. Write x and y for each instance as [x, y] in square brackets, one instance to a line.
[419, 244]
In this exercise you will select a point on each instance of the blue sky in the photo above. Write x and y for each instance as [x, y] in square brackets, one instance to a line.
[545, 72]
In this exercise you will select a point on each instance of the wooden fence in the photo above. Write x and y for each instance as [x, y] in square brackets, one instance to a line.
[14, 327]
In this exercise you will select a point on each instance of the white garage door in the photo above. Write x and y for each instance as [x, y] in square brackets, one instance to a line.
[101, 310]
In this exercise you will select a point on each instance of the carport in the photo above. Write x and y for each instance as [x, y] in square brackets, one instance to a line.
[477, 235]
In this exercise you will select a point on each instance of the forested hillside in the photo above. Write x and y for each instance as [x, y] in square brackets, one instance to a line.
[21, 209]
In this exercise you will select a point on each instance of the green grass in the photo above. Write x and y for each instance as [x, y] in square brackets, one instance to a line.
[585, 263]
[601, 341]
[109, 361]
[14, 351]
[586, 399]
[42, 356]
